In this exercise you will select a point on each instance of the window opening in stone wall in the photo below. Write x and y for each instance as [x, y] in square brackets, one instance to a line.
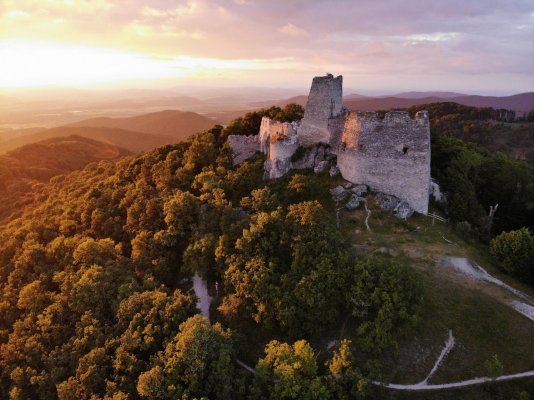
[405, 150]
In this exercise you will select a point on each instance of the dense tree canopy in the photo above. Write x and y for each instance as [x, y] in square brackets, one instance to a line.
[197, 363]
[288, 268]
[474, 180]
[94, 290]
[93, 302]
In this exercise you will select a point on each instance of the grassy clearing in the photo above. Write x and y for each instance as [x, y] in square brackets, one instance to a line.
[482, 327]
[482, 323]
[477, 312]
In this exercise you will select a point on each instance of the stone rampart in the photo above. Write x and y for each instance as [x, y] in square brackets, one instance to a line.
[390, 155]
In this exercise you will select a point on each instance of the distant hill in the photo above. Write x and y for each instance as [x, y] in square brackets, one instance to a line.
[134, 142]
[483, 126]
[421, 95]
[300, 100]
[8, 134]
[385, 103]
[519, 103]
[355, 96]
[32, 164]
[176, 124]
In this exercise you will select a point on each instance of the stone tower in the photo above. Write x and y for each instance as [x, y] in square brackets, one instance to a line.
[325, 103]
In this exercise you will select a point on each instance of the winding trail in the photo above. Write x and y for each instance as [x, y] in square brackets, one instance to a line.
[526, 309]
[472, 270]
[368, 215]
[424, 386]
[449, 344]
[469, 382]
[200, 287]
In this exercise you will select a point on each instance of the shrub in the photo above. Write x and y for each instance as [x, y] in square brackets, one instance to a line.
[514, 250]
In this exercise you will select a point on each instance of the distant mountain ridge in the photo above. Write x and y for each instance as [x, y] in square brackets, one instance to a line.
[135, 134]
[520, 103]
[134, 142]
[176, 124]
[421, 95]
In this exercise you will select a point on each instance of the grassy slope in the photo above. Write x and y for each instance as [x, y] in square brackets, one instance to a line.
[482, 323]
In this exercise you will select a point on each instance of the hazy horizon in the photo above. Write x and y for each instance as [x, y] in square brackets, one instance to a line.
[379, 47]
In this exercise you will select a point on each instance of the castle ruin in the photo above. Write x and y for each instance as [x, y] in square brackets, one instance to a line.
[390, 155]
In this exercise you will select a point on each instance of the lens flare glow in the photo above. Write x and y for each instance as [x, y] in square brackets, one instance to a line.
[28, 63]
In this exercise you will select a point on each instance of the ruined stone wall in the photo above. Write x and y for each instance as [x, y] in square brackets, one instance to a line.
[243, 147]
[280, 151]
[390, 155]
[272, 131]
[336, 126]
[325, 102]
[279, 139]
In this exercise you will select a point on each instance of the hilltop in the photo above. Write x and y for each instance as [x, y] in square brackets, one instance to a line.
[100, 265]
[26, 167]
[176, 124]
[134, 142]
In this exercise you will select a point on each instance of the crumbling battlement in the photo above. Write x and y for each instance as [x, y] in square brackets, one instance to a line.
[272, 131]
[278, 140]
[391, 155]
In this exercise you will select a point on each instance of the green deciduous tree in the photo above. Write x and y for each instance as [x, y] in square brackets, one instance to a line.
[347, 382]
[289, 268]
[515, 252]
[199, 361]
[386, 297]
[288, 372]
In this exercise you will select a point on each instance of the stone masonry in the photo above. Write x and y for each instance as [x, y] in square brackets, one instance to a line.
[390, 155]
[325, 102]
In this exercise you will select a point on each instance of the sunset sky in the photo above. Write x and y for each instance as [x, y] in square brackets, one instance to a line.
[481, 46]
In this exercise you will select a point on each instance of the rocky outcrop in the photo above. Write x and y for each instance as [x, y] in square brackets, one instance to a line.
[354, 202]
[359, 190]
[339, 193]
[403, 210]
[334, 170]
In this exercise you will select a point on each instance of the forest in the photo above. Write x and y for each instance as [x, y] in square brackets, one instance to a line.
[94, 273]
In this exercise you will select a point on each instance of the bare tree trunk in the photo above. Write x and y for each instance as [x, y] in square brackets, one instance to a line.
[489, 220]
